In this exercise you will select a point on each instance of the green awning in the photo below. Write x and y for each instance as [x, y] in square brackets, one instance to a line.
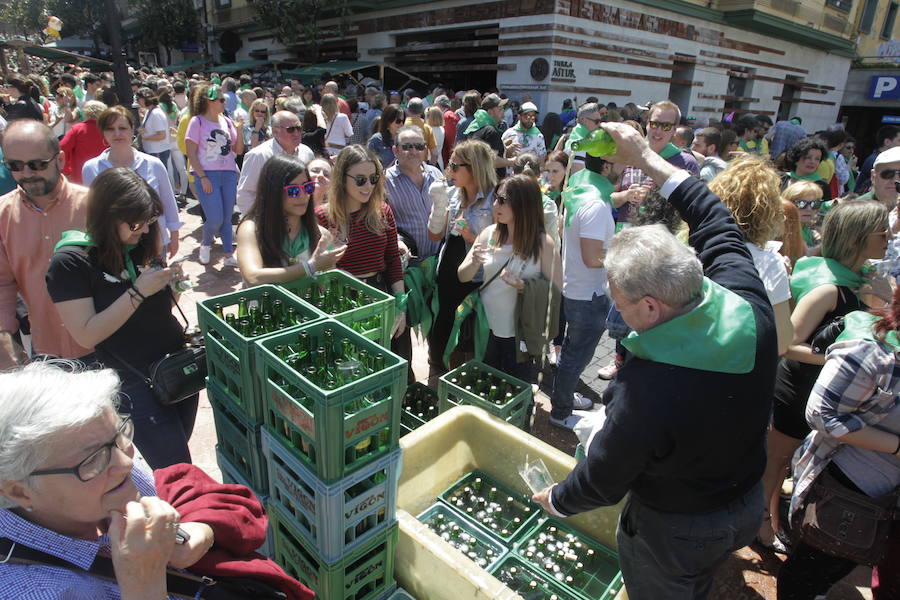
[312, 73]
[184, 66]
[240, 65]
[70, 58]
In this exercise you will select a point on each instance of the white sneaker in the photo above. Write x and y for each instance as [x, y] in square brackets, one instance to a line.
[568, 423]
[204, 254]
[553, 355]
[579, 402]
[230, 261]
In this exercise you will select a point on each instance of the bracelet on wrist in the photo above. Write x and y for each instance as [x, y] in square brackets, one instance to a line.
[138, 292]
[310, 266]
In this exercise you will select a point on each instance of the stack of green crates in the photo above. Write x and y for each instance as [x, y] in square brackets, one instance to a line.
[232, 385]
[331, 410]
[500, 394]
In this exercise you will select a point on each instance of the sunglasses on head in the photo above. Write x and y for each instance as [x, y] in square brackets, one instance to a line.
[409, 147]
[813, 204]
[135, 227]
[293, 189]
[454, 166]
[361, 180]
[292, 128]
[661, 125]
[889, 173]
[37, 164]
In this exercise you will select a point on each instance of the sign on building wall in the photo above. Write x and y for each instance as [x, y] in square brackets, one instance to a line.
[563, 71]
[884, 87]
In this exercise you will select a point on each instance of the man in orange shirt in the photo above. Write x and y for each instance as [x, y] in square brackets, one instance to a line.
[32, 219]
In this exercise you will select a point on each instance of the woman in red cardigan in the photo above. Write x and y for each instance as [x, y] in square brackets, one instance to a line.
[83, 141]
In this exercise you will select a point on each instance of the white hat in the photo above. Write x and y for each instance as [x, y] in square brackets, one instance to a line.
[888, 156]
[527, 107]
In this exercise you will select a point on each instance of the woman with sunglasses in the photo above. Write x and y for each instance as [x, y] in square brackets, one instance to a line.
[357, 214]
[66, 113]
[257, 130]
[458, 219]
[802, 160]
[382, 141]
[518, 247]
[212, 144]
[280, 239]
[823, 289]
[807, 197]
[110, 296]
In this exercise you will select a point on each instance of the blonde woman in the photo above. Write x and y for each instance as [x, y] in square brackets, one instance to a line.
[458, 217]
[257, 129]
[66, 112]
[337, 126]
[435, 119]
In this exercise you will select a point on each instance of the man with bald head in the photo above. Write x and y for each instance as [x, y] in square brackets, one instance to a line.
[331, 87]
[32, 219]
[286, 134]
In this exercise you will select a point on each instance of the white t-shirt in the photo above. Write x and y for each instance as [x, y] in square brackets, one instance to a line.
[499, 297]
[593, 221]
[771, 268]
[155, 122]
[338, 133]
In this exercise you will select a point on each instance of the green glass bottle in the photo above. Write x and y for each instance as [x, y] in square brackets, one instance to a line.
[304, 344]
[265, 304]
[246, 328]
[312, 374]
[364, 362]
[255, 316]
[268, 323]
[278, 313]
[378, 363]
[231, 319]
[243, 311]
[598, 143]
[220, 312]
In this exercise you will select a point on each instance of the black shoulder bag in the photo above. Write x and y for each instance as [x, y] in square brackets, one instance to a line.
[177, 375]
[178, 584]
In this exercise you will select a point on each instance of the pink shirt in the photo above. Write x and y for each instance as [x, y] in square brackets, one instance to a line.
[27, 238]
[215, 142]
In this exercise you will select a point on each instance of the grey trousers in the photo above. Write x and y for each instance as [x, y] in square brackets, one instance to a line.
[674, 556]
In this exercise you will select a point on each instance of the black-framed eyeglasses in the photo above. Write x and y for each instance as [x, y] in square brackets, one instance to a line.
[889, 174]
[408, 147]
[37, 164]
[96, 463]
[500, 200]
[594, 121]
[813, 204]
[293, 189]
[361, 180]
[454, 166]
[291, 128]
[400, 120]
[135, 227]
[661, 125]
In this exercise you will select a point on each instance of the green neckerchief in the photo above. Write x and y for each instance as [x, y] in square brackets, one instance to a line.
[243, 106]
[527, 133]
[419, 283]
[555, 194]
[579, 132]
[669, 151]
[296, 246]
[471, 303]
[858, 325]
[811, 272]
[811, 177]
[851, 183]
[574, 197]
[807, 234]
[73, 237]
[480, 120]
[718, 335]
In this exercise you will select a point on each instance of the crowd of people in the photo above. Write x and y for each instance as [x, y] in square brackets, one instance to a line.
[744, 268]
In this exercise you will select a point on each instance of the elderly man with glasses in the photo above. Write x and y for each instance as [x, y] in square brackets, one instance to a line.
[286, 135]
[32, 219]
[885, 176]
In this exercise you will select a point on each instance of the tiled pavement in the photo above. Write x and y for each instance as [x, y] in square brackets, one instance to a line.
[748, 575]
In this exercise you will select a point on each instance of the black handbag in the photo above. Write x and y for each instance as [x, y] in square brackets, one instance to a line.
[845, 523]
[178, 375]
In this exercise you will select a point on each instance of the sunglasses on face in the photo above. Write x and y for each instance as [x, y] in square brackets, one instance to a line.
[292, 128]
[661, 125]
[454, 166]
[135, 227]
[96, 463]
[594, 121]
[37, 164]
[889, 174]
[361, 180]
[293, 190]
[408, 147]
[400, 120]
[500, 200]
[813, 204]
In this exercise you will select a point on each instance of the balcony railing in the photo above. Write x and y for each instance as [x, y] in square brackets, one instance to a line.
[811, 13]
[238, 15]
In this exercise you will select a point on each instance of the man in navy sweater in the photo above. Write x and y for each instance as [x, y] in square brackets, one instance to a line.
[686, 417]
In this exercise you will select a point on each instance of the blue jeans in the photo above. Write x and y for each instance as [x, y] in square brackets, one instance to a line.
[584, 327]
[501, 354]
[163, 157]
[616, 326]
[674, 556]
[218, 207]
[161, 433]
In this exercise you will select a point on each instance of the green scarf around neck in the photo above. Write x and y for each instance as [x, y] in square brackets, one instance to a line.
[527, 132]
[584, 190]
[73, 237]
[807, 234]
[859, 325]
[718, 335]
[295, 247]
[811, 177]
[811, 272]
[669, 151]
[480, 120]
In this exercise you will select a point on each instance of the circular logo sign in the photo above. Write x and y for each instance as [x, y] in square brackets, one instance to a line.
[540, 68]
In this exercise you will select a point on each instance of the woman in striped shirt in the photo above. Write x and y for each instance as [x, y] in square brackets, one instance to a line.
[357, 213]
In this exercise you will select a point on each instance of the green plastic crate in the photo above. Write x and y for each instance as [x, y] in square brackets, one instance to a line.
[493, 550]
[382, 306]
[230, 357]
[408, 420]
[598, 579]
[398, 594]
[366, 573]
[317, 425]
[516, 411]
[506, 529]
[238, 437]
[519, 580]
